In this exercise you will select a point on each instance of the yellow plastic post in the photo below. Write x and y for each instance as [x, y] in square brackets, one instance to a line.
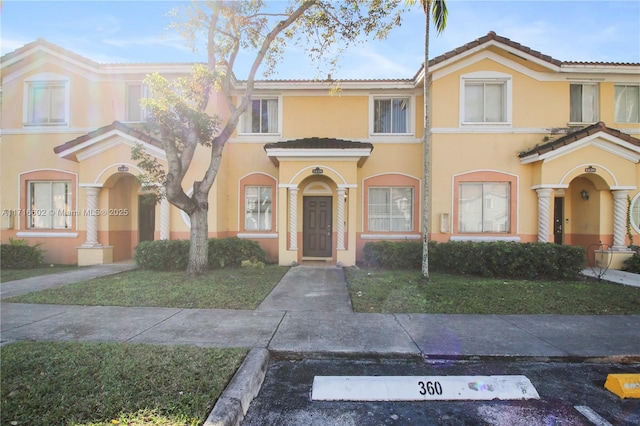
[624, 385]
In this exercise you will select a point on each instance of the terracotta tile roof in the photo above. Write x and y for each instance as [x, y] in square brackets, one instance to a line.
[491, 35]
[578, 135]
[319, 143]
[116, 125]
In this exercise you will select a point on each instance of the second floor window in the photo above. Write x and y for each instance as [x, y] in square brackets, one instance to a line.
[627, 103]
[135, 93]
[391, 115]
[47, 103]
[484, 102]
[583, 103]
[261, 116]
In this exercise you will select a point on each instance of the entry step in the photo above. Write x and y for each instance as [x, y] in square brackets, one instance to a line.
[422, 388]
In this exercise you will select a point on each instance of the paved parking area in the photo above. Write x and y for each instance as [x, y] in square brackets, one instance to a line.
[284, 398]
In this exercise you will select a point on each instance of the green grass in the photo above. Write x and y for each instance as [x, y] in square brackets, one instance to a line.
[233, 288]
[20, 274]
[44, 383]
[407, 292]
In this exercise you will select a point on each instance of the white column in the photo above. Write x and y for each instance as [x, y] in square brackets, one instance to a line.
[619, 219]
[293, 218]
[340, 228]
[92, 217]
[165, 216]
[544, 207]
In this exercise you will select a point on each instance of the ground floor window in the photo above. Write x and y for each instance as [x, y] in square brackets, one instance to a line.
[391, 209]
[49, 205]
[484, 207]
[258, 208]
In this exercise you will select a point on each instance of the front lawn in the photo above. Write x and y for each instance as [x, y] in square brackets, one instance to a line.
[67, 383]
[406, 292]
[232, 288]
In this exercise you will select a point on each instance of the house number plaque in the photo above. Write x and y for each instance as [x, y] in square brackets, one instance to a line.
[590, 169]
[317, 171]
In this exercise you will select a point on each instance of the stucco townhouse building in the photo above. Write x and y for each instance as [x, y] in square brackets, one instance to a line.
[524, 148]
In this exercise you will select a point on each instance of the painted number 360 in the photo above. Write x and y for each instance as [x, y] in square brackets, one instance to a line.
[431, 388]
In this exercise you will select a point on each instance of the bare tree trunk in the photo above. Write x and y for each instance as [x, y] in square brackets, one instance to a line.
[199, 240]
[426, 147]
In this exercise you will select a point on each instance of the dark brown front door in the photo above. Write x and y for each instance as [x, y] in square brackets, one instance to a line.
[558, 220]
[146, 217]
[316, 227]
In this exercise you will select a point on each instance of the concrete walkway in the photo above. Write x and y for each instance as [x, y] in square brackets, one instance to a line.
[28, 285]
[309, 315]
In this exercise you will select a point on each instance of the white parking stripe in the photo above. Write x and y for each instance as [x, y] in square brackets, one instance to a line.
[593, 417]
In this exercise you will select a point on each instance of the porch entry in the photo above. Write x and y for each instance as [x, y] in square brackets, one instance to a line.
[316, 227]
[146, 217]
[558, 220]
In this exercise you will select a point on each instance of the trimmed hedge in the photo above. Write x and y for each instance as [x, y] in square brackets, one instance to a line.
[18, 254]
[232, 251]
[484, 259]
[173, 255]
[633, 263]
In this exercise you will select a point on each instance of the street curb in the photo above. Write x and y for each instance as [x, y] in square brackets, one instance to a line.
[234, 402]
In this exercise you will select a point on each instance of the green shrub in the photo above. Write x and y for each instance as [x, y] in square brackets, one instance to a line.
[633, 263]
[483, 259]
[232, 251]
[393, 255]
[18, 254]
[163, 255]
[173, 255]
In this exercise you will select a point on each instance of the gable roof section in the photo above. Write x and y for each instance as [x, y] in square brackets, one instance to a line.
[514, 47]
[495, 37]
[318, 147]
[622, 143]
[42, 44]
[88, 145]
[41, 48]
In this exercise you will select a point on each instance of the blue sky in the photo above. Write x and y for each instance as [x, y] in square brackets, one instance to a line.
[135, 31]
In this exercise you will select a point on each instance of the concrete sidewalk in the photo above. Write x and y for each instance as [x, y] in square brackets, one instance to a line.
[42, 282]
[309, 315]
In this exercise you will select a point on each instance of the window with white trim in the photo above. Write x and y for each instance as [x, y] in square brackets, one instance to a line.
[627, 103]
[484, 207]
[485, 101]
[258, 208]
[391, 115]
[261, 116]
[390, 209]
[134, 112]
[583, 103]
[47, 103]
[49, 205]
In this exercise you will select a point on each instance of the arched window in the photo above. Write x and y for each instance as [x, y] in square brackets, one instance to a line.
[257, 202]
